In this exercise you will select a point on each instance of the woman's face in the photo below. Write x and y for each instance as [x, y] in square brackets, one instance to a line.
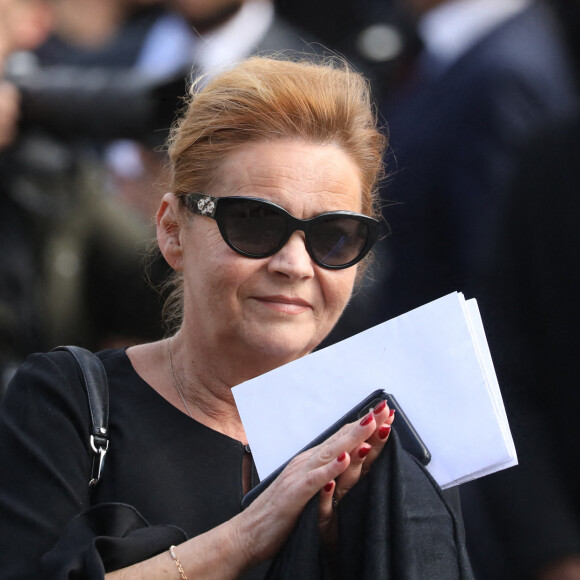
[277, 308]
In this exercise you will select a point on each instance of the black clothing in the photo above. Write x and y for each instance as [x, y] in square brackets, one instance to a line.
[396, 524]
[173, 470]
[532, 286]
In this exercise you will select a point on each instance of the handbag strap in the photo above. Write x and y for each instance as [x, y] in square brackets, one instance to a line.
[97, 388]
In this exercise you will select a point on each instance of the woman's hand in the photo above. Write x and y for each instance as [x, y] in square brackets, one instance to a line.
[361, 459]
[332, 469]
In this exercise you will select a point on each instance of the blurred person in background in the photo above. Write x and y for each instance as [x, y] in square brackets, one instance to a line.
[131, 42]
[70, 269]
[23, 25]
[377, 35]
[489, 74]
[526, 523]
[98, 33]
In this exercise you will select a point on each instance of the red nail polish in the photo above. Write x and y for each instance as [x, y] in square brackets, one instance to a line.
[380, 407]
[328, 487]
[366, 420]
[384, 431]
[341, 457]
[391, 412]
[363, 452]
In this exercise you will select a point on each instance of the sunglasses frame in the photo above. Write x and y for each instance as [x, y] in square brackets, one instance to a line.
[209, 206]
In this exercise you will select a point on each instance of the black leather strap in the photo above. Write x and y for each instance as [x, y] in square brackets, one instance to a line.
[96, 385]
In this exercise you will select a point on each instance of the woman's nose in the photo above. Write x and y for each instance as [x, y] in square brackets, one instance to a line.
[293, 260]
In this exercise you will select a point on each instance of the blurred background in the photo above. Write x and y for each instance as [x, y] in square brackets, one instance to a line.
[480, 101]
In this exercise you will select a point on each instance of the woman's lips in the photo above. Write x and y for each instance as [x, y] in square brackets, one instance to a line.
[285, 304]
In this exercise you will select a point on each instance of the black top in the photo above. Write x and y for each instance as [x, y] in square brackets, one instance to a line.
[171, 469]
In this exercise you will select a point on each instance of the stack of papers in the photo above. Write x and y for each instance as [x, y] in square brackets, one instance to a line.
[435, 360]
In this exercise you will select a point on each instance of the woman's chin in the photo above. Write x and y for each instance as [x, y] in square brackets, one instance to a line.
[277, 349]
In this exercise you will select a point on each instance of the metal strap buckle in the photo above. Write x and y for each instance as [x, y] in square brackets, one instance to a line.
[100, 446]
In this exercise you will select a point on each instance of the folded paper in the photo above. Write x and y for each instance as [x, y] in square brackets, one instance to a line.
[434, 359]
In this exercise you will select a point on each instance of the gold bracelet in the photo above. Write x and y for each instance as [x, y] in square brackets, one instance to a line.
[177, 562]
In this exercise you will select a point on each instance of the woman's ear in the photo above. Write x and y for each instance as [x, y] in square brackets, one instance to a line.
[169, 230]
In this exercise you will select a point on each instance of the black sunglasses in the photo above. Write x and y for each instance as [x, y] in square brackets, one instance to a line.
[257, 228]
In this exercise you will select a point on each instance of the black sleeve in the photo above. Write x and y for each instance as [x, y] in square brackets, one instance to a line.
[44, 461]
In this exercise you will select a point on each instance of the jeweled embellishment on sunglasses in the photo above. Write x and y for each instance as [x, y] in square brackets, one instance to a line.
[206, 206]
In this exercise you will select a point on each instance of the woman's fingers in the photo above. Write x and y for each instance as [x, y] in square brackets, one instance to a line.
[360, 455]
[352, 436]
[379, 438]
[350, 477]
[325, 506]
[328, 523]
[348, 438]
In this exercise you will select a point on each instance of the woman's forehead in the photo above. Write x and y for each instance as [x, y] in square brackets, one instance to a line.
[290, 169]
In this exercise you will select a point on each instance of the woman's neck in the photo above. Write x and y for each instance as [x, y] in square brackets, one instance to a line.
[205, 386]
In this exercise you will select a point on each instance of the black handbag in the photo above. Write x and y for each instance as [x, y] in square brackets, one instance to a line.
[108, 535]
[97, 388]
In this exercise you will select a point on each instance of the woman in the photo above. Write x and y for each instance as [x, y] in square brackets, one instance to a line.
[302, 139]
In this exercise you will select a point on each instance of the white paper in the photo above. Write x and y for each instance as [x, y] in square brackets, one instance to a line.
[434, 359]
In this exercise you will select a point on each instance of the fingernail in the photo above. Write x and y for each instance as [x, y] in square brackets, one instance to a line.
[366, 420]
[363, 452]
[391, 412]
[384, 431]
[341, 457]
[380, 407]
[328, 487]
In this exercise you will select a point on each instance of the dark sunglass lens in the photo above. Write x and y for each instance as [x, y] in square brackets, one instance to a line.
[336, 241]
[253, 227]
